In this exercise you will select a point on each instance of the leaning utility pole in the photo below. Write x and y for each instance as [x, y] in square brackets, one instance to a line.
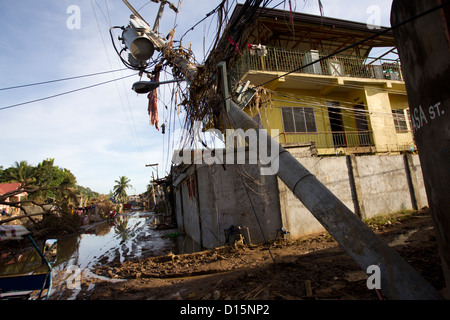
[398, 279]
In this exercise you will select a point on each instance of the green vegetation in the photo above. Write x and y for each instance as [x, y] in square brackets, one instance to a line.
[44, 176]
[381, 221]
[47, 184]
[50, 183]
[120, 188]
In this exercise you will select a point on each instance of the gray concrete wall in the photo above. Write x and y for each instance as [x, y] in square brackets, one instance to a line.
[332, 172]
[367, 185]
[179, 208]
[384, 185]
[191, 220]
[237, 196]
[229, 195]
[416, 170]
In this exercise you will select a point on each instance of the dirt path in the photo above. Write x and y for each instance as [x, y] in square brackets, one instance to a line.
[310, 268]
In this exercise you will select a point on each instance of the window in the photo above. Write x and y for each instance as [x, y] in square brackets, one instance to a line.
[298, 119]
[399, 120]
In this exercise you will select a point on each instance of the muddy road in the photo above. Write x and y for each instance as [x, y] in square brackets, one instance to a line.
[312, 268]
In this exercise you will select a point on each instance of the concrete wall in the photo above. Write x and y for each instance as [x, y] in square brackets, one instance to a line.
[229, 195]
[330, 171]
[237, 196]
[367, 185]
[186, 208]
[384, 185]
[416, 173]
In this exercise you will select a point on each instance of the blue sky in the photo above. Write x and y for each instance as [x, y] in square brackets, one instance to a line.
[101, 133]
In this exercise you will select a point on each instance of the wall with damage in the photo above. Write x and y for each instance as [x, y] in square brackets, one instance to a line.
[236, 195]
[212, 198]
[186, 203]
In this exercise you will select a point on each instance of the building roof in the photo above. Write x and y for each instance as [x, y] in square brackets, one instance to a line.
[273, 27]
[8, 187]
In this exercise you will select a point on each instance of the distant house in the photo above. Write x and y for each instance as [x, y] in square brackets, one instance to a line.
[8, 187]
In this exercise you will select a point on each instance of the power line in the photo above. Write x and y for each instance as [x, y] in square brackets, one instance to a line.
[130, 125]
[59, 80]
[64, 93]
[207, 16]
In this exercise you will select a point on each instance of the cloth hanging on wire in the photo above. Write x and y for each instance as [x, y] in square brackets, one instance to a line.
[153, 103]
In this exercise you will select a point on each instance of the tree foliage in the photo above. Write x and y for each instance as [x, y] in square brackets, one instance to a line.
[120, 188]
[21, 172]
[44, 183]
[44, 175]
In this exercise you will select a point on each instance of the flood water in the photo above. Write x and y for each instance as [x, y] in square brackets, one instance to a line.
[130, 236]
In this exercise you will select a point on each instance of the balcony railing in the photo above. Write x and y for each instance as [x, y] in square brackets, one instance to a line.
[349, 139]
[285, 60]
[341, 139]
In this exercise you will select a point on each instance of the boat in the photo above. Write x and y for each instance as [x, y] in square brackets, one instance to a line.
[21, 287]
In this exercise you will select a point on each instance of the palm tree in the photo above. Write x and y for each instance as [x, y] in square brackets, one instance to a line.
[120, 188]
[21, 172]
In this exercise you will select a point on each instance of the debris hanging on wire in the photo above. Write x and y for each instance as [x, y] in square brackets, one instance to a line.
[153, 100]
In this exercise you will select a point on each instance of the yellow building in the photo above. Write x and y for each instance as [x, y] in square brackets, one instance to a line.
[350, 103]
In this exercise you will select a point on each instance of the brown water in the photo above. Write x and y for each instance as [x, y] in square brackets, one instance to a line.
[131, 236]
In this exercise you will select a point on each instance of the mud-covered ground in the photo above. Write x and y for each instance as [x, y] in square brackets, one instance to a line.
[312, 268]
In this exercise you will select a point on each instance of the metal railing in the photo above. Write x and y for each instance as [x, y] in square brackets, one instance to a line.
[285, 60]
[349, 139]
[341, 139]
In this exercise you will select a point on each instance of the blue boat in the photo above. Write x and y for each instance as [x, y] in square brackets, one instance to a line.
[21, 287]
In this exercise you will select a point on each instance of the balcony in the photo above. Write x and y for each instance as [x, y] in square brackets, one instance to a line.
[341, 139]
[286, 60]
[351, 141]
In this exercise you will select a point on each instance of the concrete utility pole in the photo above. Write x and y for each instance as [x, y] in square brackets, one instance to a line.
[398, 279]
[424, 49]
